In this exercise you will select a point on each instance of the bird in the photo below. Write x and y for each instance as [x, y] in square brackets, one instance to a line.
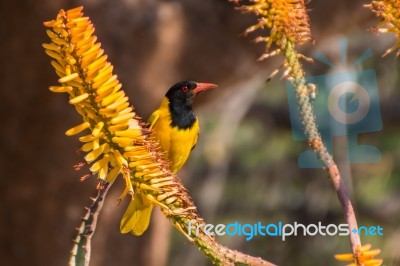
[176, 128]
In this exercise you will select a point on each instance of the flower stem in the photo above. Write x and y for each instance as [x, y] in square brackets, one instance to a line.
[80, 253]
[315, 141]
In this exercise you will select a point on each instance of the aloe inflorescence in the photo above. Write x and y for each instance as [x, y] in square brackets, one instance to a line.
[115, 140]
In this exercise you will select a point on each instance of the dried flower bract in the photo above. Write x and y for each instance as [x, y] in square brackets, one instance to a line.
[389, 12]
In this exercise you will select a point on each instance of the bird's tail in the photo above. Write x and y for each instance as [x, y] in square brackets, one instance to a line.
[137, 217]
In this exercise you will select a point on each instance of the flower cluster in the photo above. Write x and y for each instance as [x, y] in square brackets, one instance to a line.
[363, 256]
[287, 21]
[389, 12]
[115, 142]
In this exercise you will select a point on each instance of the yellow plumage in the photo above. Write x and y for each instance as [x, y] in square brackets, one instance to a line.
[176, 128]
[176, 144]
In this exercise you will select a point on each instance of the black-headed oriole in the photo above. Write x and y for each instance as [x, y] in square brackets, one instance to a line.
[176, 128]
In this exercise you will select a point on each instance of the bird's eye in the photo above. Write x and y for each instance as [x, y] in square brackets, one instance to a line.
[184, 89]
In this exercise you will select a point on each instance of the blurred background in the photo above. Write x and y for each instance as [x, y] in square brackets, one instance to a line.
[243, 169]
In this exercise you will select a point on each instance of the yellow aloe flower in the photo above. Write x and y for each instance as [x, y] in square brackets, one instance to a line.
[363, 256]
[287, 21]
[113, 138]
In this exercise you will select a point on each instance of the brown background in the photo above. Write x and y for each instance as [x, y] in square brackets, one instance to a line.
[244, 167]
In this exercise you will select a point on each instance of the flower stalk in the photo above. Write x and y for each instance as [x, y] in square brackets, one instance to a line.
[289, 27]
[115, 140]
[80, 253]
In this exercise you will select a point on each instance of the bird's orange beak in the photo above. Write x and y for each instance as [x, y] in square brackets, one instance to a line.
[204, 86]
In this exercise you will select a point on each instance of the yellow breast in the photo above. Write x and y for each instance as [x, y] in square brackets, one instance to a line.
[175, 143]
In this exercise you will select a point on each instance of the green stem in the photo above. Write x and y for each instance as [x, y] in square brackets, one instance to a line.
[80, 254]
[314, 138]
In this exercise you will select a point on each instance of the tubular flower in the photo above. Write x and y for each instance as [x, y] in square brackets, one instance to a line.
[363, 256]
[114, 140]
[287, 21]
[389, 12]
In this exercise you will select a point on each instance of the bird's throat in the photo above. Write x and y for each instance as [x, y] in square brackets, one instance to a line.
[182, 116]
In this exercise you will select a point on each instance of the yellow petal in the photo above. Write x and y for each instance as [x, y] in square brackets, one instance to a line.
[166, 195]
[51, 34]
[170, 200]
[113, 174]
[130, 133]
[149, 176]
[139, 162]
[118, 127]
[53, 54]
[141, 157]
[87, 147]
[51, 46]
[134, 149]
[79, 33]
[58, 66]
[147, 166]
[74, 11]
[120, 159]
[365, 247]
[122, 141]
[112, 97]
[77, 129]
[107, 85]
[97, 128]
[68, 78]
[96, 143]
[125, 111]
[162, 184]
[93, 155]
[59, 41]
[101, 78]
[162, 179]
[118, 102]
[92, 51]
[49, 23]
[60, 88]
[123, 103]
[103, 172]
[78, 22]
[344, 257]
[75, 84]
[79, 98]
[70, 60]
[92, 74]
[84, 45]
[122, 118]
[374, 262]
[145, 172]
[95, 61]
[90, 137]
[370, 253]
[99, 164]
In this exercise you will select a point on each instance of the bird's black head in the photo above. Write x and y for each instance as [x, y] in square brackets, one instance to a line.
[181, 97]
[184, 93]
